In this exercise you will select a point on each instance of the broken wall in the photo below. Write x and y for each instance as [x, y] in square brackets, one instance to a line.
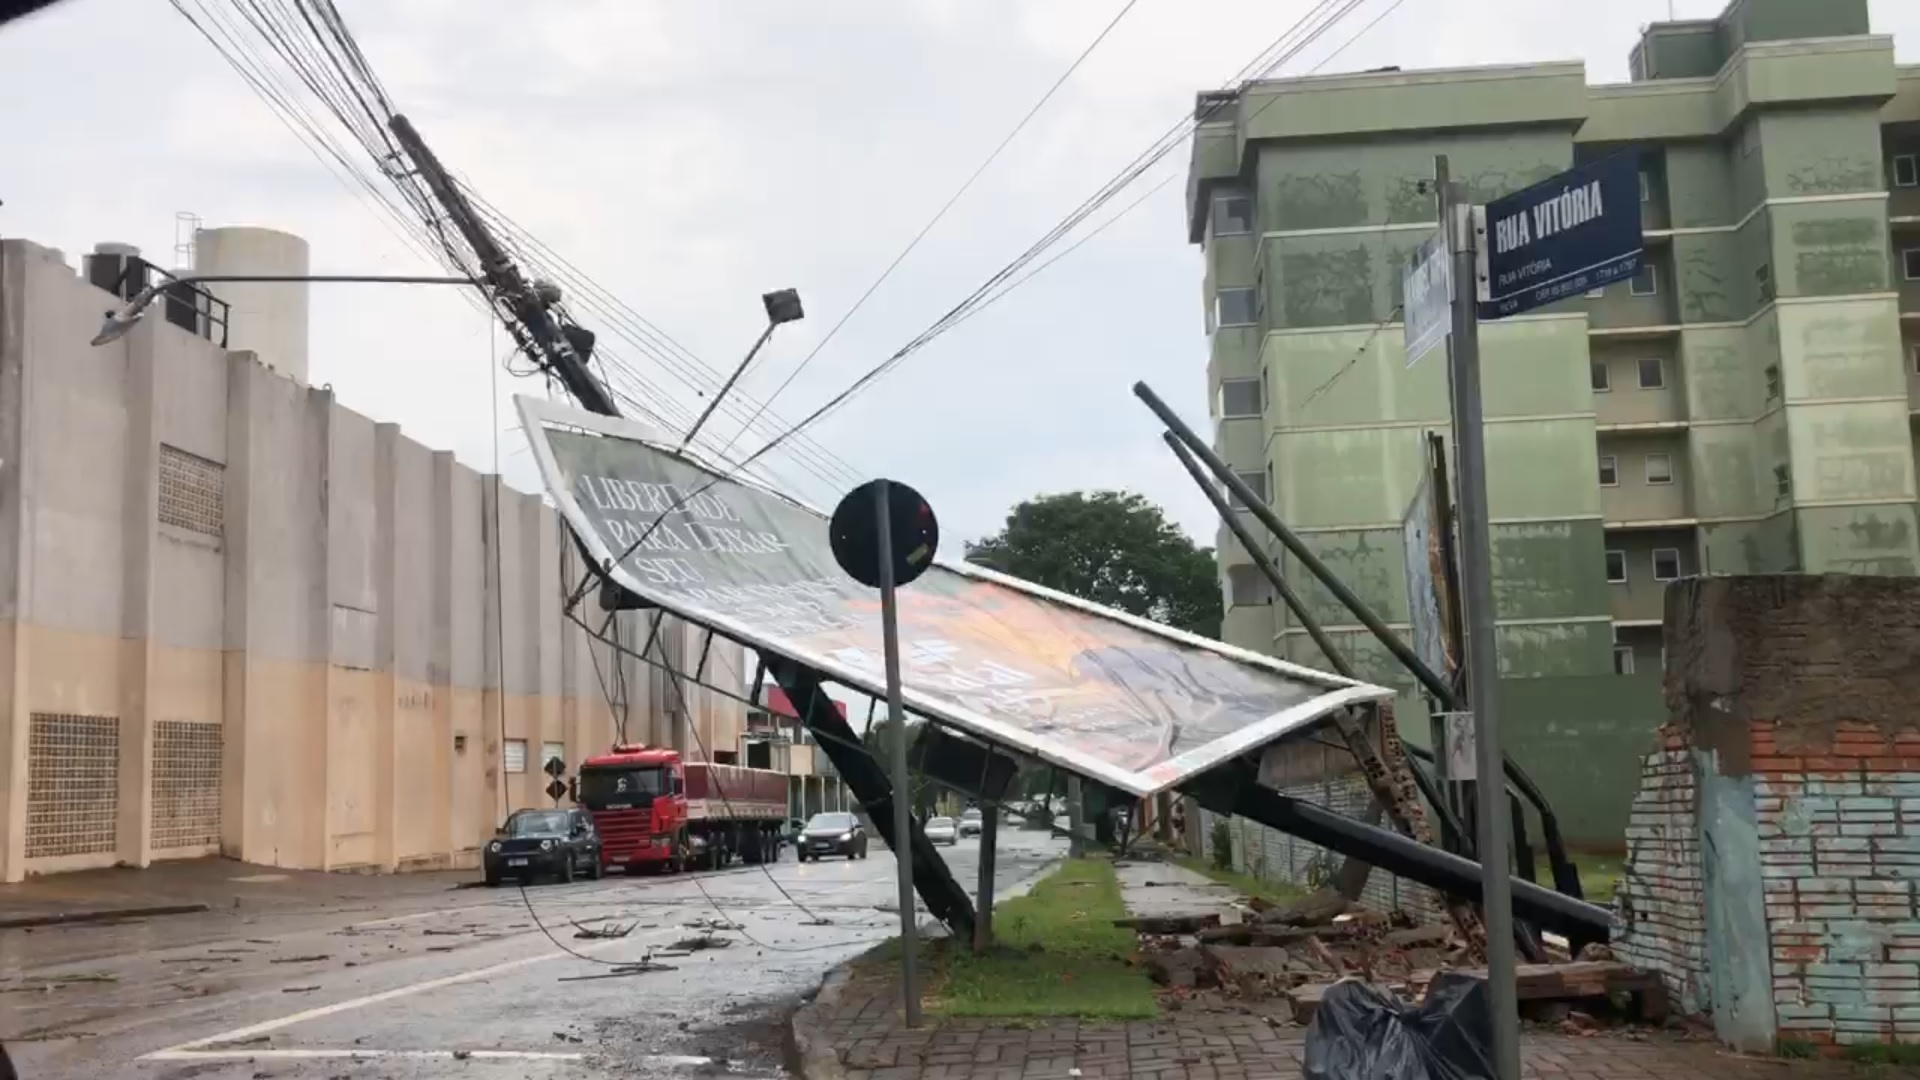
[1784, 808]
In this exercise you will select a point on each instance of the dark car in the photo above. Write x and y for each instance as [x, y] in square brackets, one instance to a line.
[833, 834]
[555, 843]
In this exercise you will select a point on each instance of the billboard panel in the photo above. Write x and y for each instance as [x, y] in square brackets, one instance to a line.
[1128, 702]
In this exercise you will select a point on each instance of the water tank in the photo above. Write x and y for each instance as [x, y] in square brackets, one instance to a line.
[116, 268]
[268, 318]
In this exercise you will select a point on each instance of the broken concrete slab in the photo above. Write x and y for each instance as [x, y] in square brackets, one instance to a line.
[1169, 924]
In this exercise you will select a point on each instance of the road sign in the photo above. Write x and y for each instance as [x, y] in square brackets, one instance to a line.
[1565, 236]
[555, 789]
[1427, 296]
[854, 533]
[554, 767]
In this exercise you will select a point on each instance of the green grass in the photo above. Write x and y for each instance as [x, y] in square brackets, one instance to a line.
[1275, 892]
[1599, 874]
[1057, 954]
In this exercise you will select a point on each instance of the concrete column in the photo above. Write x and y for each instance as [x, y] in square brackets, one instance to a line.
[138, 529]
[389, 515]
[319, 407]
[16, 561]
[237, 780]
[440, 650]
[494, 614]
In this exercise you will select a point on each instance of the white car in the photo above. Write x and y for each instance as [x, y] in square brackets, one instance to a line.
[970, 822]
[941, 830]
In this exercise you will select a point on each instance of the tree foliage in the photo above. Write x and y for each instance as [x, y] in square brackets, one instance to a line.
[1113, 548]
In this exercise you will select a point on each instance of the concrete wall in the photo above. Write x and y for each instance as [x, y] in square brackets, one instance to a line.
[1775, 845]
[237, 617]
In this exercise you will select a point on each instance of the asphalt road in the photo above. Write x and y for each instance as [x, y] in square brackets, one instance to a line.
[460, 982]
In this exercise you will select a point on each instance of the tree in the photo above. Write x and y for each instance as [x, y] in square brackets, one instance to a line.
[1113, 548]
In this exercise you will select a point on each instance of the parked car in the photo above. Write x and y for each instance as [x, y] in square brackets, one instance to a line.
[942, 830]
[833, 834]
[532, 843]
[971, 822]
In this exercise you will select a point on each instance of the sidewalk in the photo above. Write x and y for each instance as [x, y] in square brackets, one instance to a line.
[195, 885]
[853, 1030]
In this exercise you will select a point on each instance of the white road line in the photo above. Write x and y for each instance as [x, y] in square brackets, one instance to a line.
[268, 1026]
[358, 1054]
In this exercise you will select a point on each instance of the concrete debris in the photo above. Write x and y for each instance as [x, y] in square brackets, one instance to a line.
[1170, 924]
[701, 941]
[1318, 909]
[604, 931]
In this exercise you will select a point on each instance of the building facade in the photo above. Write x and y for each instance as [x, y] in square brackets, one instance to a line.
[1747, 404]
[238, 618]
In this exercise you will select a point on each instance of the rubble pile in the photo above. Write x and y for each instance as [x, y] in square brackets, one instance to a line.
[1279, 960]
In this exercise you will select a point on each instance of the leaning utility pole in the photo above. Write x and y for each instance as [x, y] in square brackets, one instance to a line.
[557, 349]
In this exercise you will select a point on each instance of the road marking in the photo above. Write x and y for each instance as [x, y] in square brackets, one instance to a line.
[358, 1054]
[319, 1012]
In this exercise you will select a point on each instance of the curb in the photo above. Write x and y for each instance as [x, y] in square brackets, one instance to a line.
[71, 918]
[818, 1060]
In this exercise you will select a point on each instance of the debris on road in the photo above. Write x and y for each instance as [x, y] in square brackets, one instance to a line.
[709, 923]
[701, 941]
[604, 931]
[314, 959]
[1170, 924]
[621, 971]
[298, 989]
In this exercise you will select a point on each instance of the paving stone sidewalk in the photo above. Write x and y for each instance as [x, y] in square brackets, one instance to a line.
[855, 1030]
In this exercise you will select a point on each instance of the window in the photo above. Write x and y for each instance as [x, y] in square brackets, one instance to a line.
[1763, 276]
[1609, 471]
[1749, 138]
[1240, 397]
[1623, 659]
[1653, 373]
[1234, 307]
[1666, 564]
[1255, 480]
[1246, 586]
[515, 754]
[1646, 188]
[1773, 381]
[1616, 566]
[1659, 468]
[1906, 170]
[1916, 359]
[1645, 283]
[551, 750]
[1910, 263]
[1782, 482]
[1232, 214]
[1602, 378]
[1595, 294]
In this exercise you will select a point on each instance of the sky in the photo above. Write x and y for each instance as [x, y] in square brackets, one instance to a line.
[690, 156]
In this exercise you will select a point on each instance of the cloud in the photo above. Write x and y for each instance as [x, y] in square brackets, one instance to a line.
[692, 156]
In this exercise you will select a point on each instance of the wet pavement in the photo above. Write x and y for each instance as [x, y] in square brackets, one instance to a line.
[414, 977]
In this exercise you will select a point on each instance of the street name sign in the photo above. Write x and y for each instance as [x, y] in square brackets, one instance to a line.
[1427, 296]
[1567, 235]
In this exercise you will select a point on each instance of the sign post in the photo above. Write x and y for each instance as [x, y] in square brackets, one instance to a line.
[1567, 235]
[1427, 292]
[870, 523]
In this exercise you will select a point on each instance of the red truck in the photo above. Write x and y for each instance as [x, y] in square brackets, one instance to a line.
[652, 809]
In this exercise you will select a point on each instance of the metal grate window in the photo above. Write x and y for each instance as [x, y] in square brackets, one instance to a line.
[192, 492]
[73, 785]
[186, 784]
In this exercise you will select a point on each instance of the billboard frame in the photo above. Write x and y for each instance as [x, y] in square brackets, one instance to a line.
[537, 415]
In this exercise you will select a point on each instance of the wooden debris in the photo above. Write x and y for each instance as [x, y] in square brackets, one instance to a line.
[1170, 924]
[1581, 980]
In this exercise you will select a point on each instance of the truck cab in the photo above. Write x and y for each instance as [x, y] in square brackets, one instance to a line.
[637, 796]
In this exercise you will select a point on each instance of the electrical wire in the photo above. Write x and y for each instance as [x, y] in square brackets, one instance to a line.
[941, 214]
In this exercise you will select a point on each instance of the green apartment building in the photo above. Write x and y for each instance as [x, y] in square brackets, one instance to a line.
[1747, 404]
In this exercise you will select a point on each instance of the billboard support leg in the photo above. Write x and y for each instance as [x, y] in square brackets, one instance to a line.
[866, 778]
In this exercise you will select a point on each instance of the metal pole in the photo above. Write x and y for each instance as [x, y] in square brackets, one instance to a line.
[1076, 846]
[1483, 663]
[983, 899]
[896, 713]
[721, 393]
[1248, 497]
[1260, 560]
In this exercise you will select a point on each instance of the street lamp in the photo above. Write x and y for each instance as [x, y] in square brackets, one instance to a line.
[115, 326]
[782, 307]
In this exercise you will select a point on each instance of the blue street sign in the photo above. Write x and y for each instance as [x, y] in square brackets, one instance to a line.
[1562, 237]
[1426, 296]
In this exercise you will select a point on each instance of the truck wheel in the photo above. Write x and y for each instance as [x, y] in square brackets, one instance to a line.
[566, 870]
[594, 870]
[493, 881]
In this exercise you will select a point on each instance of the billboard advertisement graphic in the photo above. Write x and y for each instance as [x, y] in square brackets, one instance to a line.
[1135, 705]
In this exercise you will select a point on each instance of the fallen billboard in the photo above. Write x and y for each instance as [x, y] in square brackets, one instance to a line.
[1122, 700]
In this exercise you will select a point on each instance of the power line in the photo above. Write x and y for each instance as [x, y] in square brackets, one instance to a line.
[948, 205]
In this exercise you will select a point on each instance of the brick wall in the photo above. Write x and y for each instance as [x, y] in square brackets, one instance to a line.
[1660, 899]
[1839, 819]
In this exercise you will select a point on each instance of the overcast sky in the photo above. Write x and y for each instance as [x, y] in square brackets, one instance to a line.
[690, 156]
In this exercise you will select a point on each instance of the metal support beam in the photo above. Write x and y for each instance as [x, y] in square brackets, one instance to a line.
[1233, 789]
[867, 779]
[983, 896]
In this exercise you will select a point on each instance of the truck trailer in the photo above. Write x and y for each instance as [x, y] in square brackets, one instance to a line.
[652, 809]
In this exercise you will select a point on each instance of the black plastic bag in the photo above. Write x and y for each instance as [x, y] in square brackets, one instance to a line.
[1363, 1033]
